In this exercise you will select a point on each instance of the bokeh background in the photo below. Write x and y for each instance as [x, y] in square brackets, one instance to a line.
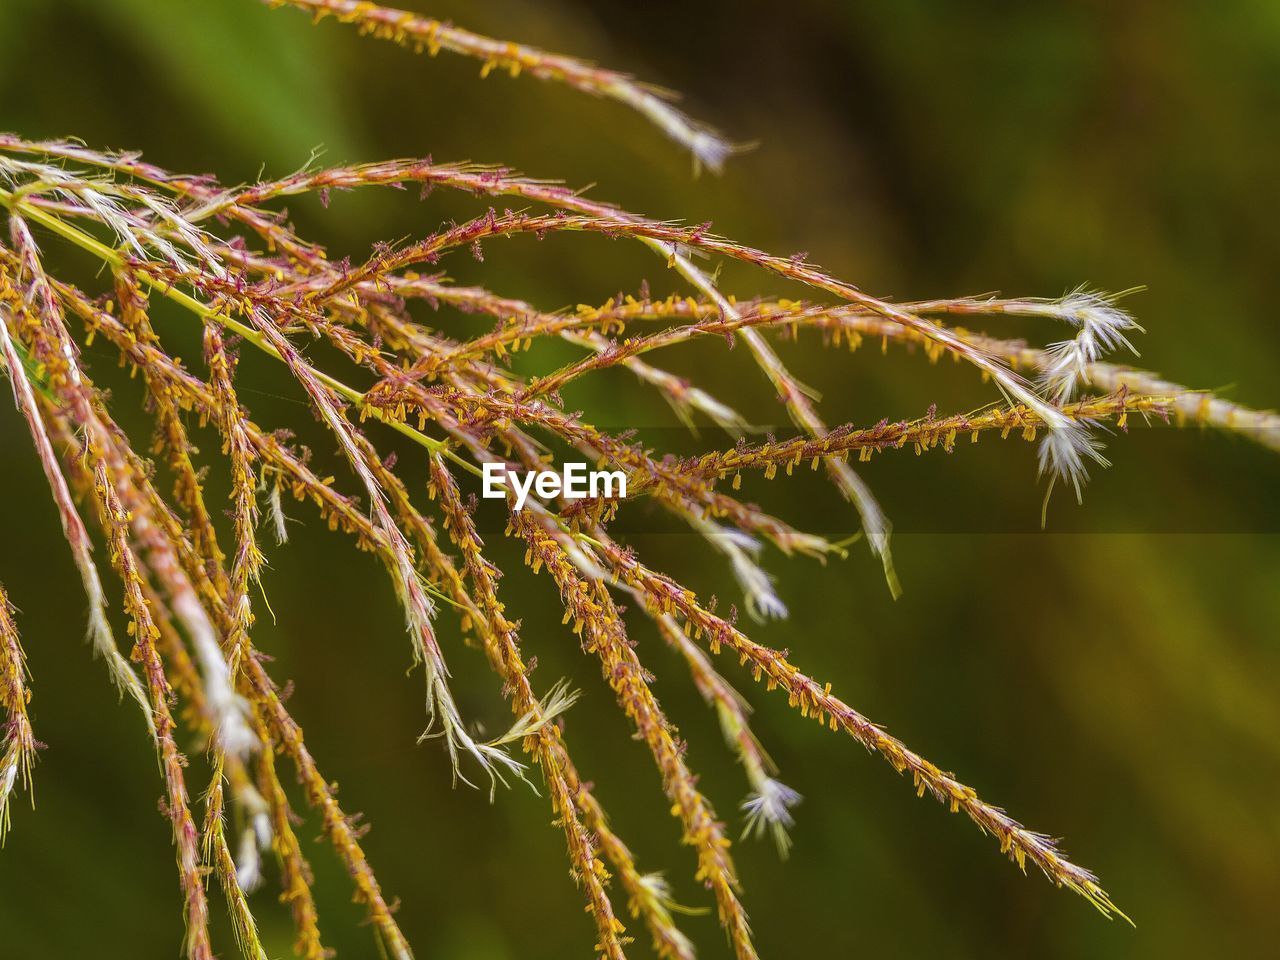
[1112, 681]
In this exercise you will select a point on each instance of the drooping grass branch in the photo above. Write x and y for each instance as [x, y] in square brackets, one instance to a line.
[541, 737]
[814, 700]
[596, 620]
[424, 33]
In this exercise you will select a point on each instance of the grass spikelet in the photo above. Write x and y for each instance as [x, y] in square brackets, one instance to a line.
[338, 827]
[768, 806]
[100, 634]
[295, 871]
[116, 519]
[813, 699]
[668, 941]
[18, 746]
[536, 723]
[218, 860]
[708, 148]
[596, 620]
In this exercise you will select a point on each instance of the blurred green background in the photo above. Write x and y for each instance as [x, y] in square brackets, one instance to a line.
[1112, 681]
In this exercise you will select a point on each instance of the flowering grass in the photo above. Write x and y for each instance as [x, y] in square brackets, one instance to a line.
[190, 584]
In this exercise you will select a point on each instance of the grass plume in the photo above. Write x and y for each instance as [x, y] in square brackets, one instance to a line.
[245, 280]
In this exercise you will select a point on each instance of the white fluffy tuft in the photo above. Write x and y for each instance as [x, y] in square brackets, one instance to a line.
[763, 602]
[1101, 325]
[1065, 452]
[770, 808]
